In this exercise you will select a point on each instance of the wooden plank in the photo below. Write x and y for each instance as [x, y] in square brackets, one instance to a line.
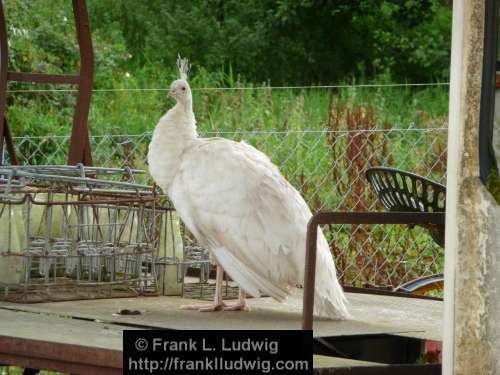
[421, 318]
[86, 336]
[57, 329]
[62, 344]
[372, 314]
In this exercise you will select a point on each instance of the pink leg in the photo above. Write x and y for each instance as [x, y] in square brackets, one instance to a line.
[240, 305]
[218, 304]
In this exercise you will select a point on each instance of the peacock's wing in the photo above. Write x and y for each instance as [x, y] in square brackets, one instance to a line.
[236, 202]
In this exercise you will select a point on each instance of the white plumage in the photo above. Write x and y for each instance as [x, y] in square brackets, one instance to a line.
[239, 206]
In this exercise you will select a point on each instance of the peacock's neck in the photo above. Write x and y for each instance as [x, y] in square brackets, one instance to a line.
[186, 105]
[175, 132]
[179, 124]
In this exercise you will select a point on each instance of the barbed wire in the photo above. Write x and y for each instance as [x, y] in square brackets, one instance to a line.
[312, 87]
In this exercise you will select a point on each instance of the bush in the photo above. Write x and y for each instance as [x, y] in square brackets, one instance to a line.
[493, 184]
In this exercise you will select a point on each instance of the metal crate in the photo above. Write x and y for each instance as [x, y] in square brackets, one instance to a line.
[77, 233]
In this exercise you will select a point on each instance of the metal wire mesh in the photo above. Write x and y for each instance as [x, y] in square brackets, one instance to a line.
[69, 233]
[328, 167]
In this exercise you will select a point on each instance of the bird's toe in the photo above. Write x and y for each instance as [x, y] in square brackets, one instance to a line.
[212, 307]
[237, 307]
[203, 307]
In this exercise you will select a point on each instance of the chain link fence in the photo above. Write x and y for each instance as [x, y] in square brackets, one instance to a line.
[328, 167]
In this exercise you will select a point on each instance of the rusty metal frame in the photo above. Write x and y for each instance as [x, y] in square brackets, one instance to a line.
[322, 218]
[79, 150]
[55, 356]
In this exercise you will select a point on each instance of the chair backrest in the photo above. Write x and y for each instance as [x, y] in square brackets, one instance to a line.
[401, 191]
[405, 191]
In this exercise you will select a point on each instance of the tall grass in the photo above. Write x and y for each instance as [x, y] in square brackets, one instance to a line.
[133, 112]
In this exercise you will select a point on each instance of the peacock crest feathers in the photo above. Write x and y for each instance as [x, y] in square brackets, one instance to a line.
[184, 67]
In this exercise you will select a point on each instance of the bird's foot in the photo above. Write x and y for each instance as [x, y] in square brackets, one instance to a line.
[207, 307]
[238, 306]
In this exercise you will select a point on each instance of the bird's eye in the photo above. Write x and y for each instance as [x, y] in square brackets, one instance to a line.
[183, 89]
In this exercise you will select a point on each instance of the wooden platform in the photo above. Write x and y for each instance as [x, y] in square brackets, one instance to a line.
[38, 334]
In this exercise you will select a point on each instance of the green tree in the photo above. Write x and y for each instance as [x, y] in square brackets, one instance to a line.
[285, 41]
[288, 41]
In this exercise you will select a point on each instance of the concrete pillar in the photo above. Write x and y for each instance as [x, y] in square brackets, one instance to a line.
[496, 128]
[472, 249]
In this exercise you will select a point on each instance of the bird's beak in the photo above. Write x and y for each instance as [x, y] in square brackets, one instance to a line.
[172, 92]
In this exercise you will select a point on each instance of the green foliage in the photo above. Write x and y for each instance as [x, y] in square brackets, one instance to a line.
[285, 41]
[230, 43]
[411, 38]
[42, 38]
[11, 370]
[288, 40]
[36, 44]
[493, 184]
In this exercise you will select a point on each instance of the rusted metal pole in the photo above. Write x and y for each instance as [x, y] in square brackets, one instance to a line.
[60, 356]
[321, 218]
[9, 143]
[310, 273]
[4, 53]
[79, 150]
[3, 71]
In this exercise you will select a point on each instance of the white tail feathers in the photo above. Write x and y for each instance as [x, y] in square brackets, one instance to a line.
[184, 66]
[251, 282]
[329, 298]
[331, 304]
